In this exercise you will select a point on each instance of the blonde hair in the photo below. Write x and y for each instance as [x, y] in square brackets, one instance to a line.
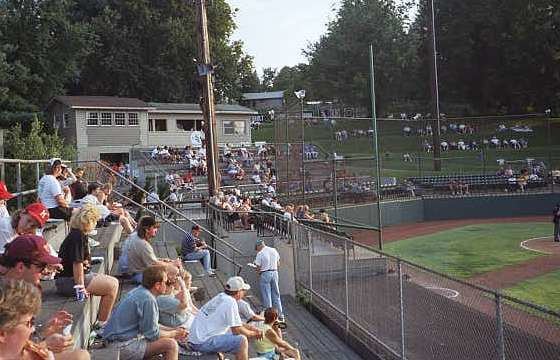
[86, 218]
[17, 299]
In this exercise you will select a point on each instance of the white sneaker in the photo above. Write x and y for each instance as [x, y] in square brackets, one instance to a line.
[93, 242]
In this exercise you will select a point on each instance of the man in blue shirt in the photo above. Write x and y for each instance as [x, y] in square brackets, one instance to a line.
[192, 248]
[133, 327]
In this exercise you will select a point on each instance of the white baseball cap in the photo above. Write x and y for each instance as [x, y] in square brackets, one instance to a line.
[237, 283]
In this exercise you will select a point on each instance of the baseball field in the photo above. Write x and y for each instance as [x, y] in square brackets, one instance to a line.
[515, 255]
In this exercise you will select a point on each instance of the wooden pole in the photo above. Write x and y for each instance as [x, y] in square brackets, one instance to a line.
[207, 104]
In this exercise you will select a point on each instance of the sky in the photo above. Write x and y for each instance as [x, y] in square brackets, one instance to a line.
[275, 31]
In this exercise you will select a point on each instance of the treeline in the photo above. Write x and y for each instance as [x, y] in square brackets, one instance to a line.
[495, 56]
[137, 48]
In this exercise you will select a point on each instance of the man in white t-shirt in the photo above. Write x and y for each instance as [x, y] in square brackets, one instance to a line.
[267, 261]
[217, 328]
[50, 192]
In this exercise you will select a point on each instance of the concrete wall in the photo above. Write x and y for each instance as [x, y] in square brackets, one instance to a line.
[489, 206]
[392, 213]
[418, 210]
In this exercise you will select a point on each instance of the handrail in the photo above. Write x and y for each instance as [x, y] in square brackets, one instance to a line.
[165, 219]
[167, 206]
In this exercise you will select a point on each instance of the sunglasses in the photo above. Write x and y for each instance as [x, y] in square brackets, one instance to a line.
[29, 323]
[39, 265]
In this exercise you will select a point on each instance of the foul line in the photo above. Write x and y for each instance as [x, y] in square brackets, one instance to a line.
[524, 245]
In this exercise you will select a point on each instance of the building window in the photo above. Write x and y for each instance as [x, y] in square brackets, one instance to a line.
[106, 119]
[120, 119]
[234, 127]
[157, 125]
[189, 125]
[92, 118]
[133, 119]
[65, 120]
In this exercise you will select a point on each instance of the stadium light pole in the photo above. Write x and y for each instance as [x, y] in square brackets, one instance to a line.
[301, 96]
[434, 84]
[376, 144]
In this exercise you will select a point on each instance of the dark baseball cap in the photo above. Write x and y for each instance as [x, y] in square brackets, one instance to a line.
[30, 248]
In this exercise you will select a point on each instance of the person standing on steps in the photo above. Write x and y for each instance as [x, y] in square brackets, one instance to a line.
[556, 221]
[267, 262]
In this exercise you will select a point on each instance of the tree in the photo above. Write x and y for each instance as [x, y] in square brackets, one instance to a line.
[339, 61]
[269, 74]
[42, 49]
[37, 143]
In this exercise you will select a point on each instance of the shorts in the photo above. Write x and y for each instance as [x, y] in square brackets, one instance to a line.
[65, 285]
[60, 213]
[271, 355]
[133, 349]
[227, 343]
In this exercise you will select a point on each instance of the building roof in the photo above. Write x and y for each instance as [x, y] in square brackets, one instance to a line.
[105, 102]
[195, 108]
[264, 95]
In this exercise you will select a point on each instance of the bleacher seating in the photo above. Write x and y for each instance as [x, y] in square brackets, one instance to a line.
[474, 181]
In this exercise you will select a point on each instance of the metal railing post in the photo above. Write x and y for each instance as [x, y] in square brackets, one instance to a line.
[401, 308]
[38, 172]
[500, 348]
[18, 186]
[346, 297]
[3, 172]
[309, 245]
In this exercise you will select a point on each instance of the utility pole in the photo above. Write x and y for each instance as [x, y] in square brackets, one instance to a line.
[205, 71]
[434, 85]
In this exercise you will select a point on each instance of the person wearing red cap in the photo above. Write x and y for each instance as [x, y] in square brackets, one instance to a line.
[5, 195]
[25, 221]
[25, 258]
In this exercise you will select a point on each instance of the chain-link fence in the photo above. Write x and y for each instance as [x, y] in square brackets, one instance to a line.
[402, 310]
[320, 156]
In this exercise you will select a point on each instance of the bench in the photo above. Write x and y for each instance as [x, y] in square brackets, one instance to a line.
[84, 313]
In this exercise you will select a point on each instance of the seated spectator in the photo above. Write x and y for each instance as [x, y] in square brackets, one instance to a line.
[324, 216]
[20, 302]
[92, 198]
[50, 192]
[140, 253]
[272, 342]
[79, 187]
[66, 178]
[116, 209]
[76, 261]
[245, 213]
[153, 197]
[289, 212]
[523, 180]
[133, 328]
[218, 328]
[26, 258]
[193, 248]
[175, 305]
[5, 195]
[26, 221]
[246, 312]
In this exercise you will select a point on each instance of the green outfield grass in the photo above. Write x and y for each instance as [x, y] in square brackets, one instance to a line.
[470, 250]
[543, 290]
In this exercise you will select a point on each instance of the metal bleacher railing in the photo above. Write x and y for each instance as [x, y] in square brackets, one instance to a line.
[158, 208]
[100, 172]
[401, 310]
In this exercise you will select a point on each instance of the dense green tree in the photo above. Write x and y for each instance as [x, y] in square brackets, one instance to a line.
[339, 61]
[41, 50]
[148, 49]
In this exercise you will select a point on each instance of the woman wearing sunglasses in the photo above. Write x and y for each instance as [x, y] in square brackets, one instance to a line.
[19, 303]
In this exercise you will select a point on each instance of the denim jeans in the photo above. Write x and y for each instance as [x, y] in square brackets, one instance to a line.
[203, 255]
[270, 292]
